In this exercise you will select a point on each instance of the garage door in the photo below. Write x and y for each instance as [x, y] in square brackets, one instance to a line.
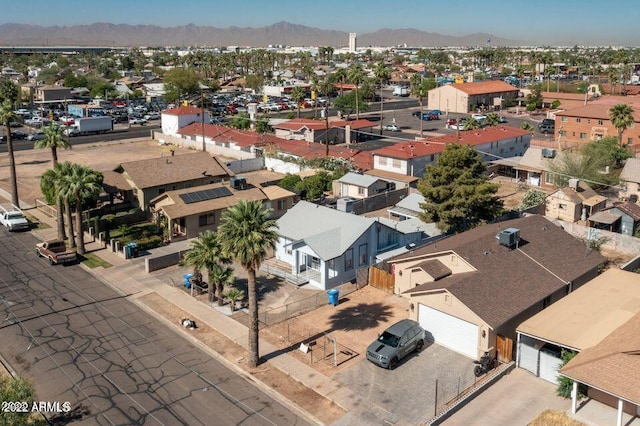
[528, 353]
[449, 331]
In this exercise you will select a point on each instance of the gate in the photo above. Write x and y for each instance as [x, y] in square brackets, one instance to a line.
[504, 348]
[381, 279]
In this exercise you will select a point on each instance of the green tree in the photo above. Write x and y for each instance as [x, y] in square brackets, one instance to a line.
[471, 123]
[17, 389]
[8, 97]
[608, 150]
[54, 139]
[621, 116]
[346, 103]
[240, 121]
[579, 165]
[532, 198]
[289, 181]
[82, 184]
[382, 75]
[356, 76]
[492, 119]
[298, 94]
[220, 276]
[457, 194]
[206, 254]
[262, 124]
[179, 83]
[565, 384]
[526, 126]
[246, 233]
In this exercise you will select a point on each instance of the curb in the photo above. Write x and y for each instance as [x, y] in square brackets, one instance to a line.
[224, 361]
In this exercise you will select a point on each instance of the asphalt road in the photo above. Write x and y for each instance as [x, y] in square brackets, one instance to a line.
[83, 343]
[120, 132]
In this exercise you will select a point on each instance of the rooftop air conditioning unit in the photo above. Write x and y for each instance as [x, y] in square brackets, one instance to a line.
[508, 237]
[548, 153]
[238, 183]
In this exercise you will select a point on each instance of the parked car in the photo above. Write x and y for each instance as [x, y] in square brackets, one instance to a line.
[152, 116]
[137, 120]
[397, 341]
[36, 136]
[547, 128]
[391, 128]
[15, 136]
[502, 119]
[479, 117]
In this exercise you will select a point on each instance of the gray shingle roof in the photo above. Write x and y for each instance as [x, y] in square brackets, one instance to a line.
[507, 282]
[411, 202]
[328, 232]
[357, 179]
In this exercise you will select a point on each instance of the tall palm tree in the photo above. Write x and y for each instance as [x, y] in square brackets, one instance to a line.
[54, 139]
[6, 117]
[356, 75]
[381, 73]
[298, 94]
[82, 184]
[206, 253]
[54, 178]
[419, 91]
[613, 74]
[246, 233]
[341, 75]
[621, 116]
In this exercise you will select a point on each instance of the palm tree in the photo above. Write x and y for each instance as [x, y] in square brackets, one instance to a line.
[356, 75]
[6, 117]
[341, 75]
[298, 94]
[381, 73]
[492, 119]
[61, 171]
[612, 74]
[471, 123]
[206, 253]
[621, 116]
[419, 90]
[220, 276]
[82, 184]
[54, 139]
[246, 233]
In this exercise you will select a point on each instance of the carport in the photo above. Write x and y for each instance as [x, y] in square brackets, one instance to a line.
[579, 321]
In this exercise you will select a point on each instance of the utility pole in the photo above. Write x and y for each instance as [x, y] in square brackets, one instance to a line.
[326, 129]
[204, 144]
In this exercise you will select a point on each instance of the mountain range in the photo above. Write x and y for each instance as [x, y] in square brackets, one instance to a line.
[281, 33]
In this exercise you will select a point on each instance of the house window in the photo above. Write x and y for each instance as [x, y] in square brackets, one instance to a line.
[578, 120]
[562, 206]
[583, 136]
[549, 178]
[331, 264]
[396, 163]
[348, 260]
[207, 219]
[546, 302]
[563, 119]
[281, 205]
[629, 141]
[362, 254]
[600, 123]
[589, 121]
[360, 190]
[563, 133]
[382, 161]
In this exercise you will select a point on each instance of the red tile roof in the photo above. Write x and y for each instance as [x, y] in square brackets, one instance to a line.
[242, 138]
[184, 110]
[485, 87]
[431, 146]
[595, 111]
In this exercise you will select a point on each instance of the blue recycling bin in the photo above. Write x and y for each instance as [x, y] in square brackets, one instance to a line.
[334, 295]
[131, 250]
[187, 280]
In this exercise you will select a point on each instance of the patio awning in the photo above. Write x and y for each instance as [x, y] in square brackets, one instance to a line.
[607, 218]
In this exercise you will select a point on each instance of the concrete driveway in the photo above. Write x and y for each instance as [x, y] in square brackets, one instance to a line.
[408, 393]
[516, 399]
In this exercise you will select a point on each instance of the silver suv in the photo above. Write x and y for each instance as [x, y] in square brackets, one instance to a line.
[398, 341]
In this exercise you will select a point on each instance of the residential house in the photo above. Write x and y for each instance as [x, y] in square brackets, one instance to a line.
[466, 97]
[621, 217]
[190, 211]
[48, 93]
[357, 185]
[533, 167]
[339, 131]
[172, 120]
[326, 246]
[630, 180]
[578, 321]
[412, 158]
[611, 370]
[407, 208]
[574, 202]
[153, 91]
[412, 233]
[401, 181]
[592, 123]
[146, 179]
[471, 290]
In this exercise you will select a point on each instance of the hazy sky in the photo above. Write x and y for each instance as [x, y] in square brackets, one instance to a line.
[557, 22]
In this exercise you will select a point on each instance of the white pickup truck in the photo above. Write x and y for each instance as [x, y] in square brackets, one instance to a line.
[12, 218]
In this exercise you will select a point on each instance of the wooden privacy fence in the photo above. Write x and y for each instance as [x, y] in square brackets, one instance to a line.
[504, 348]
[381, 279]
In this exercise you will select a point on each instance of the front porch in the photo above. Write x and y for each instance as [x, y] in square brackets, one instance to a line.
[284, 270]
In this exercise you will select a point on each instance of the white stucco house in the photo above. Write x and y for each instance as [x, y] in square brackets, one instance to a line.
[172, 120]
[327, 246]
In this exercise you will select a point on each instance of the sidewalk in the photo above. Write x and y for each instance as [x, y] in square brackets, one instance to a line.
[128, 277]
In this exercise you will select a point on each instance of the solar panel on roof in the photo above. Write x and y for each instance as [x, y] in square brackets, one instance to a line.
[204, 195]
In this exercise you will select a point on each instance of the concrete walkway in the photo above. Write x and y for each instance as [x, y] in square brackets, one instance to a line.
[128, 277]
